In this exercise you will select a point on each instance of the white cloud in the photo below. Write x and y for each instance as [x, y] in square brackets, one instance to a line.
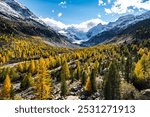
[59, 14]
[84, 26]
[108, 11]
[53, 23]
[130, 10]
[101, 3]
[63, 4]
[127, 6]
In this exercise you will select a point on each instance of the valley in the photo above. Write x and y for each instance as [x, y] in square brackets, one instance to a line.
[39, 61]
[77, 66]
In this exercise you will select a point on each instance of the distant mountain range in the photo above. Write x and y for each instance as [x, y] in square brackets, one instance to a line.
[126, 27]
[95, 31]
[76, 33]
[17, 19]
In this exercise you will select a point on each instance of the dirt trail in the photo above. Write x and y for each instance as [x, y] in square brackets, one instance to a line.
[55, 69]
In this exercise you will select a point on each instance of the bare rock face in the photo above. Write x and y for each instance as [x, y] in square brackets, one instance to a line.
[145, 94]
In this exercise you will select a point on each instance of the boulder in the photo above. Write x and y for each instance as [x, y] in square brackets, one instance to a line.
[146, 92]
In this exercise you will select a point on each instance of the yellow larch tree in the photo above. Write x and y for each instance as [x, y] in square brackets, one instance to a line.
[6, 89]
[43, 82]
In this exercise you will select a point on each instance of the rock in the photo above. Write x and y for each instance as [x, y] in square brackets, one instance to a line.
[97, 99]
[89, 98]
[72, 98]
[97, 94]
[72, 94]
[83, 97]
[93, 97]
[56, 92]
[146, 92]
[74, 89]
[58, 98]
[82, 90]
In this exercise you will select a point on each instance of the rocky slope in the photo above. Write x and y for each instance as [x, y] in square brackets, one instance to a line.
[18, 20]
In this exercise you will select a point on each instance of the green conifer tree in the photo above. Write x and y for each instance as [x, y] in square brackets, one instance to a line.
[112, 83]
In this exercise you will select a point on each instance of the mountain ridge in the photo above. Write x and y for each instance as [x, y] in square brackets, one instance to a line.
[122, 22]
[74, 32]
[80, 36]
[17, 19]
[137, 31]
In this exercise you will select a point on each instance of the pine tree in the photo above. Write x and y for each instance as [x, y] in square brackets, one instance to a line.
[128, 68]
[52, 62]
[43, 82]
[58, 61]
[88, 85]
[36, 66]
[78, 71]
[96, 67]
[27, 81]
[84, 77]
[86, 68]
[93, 80]
[13, 74]
[72, 76]
[26, 66]
[12, 93]
[63, 87]
[7, 88]
[142, 68]
[65, 72]
[20, 67]
[112, 83]
[32, 67]
[122, 65]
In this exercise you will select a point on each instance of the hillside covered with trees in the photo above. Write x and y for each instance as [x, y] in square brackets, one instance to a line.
[32, 69]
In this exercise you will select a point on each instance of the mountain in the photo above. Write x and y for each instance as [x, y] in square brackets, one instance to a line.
[104, 33]
[88, 32]
[17, 19]
[137, 31]
[13, 10]
[121, 23]
[95, 30]
[76, 33]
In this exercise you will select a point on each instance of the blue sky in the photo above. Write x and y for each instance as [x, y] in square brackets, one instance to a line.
[77, 11]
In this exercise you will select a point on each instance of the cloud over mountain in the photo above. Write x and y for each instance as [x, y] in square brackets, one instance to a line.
[84, 26]
[128, 6]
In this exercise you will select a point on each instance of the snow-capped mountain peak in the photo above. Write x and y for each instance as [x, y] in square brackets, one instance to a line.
[95, 30]
[121, 23]
[74, 32]
[7, 10]
[15, 2]
[14, 9]
[85, 26]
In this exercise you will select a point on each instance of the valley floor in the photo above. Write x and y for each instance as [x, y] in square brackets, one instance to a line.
[108, 71]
